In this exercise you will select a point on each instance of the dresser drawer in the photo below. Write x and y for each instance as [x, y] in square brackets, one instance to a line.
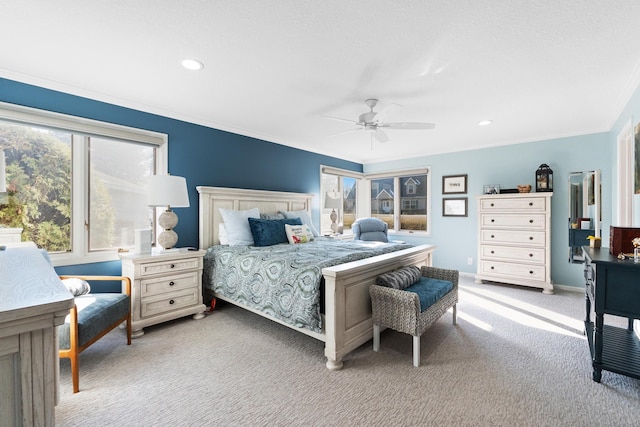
[165, 303]
[151, 268]
[532, 238]
[505, 269]
[533, 221]
[537, 204]
[510, 253]
[169, 283]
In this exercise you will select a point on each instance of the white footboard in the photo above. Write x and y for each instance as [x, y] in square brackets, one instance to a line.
[348, 322]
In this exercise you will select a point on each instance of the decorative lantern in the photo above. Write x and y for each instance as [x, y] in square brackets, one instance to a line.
[544, 178]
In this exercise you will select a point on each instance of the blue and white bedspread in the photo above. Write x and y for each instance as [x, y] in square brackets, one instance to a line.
[283, 280]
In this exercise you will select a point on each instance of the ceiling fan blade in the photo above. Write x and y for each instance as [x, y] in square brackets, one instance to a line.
[408, 125]
[339, 119]
[380, 136]
[345, 131]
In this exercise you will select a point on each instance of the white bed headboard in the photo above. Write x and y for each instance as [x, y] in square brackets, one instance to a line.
[213, 198]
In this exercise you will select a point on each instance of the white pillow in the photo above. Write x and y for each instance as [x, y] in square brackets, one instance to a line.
[298, 233]
[222, 234]
[304, 217]
[237, 225]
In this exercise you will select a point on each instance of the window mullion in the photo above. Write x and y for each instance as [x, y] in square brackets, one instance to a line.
[80, 199]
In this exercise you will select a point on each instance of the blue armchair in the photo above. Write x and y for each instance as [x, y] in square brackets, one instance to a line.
[370, 229]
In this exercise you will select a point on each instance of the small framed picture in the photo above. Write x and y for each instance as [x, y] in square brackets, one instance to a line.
[454, 184]
[454, 207]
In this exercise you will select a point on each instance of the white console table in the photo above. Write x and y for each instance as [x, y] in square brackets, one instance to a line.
[33, 302]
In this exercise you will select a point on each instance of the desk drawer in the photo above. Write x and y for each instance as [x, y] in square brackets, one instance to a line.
[168, 302]
[151, 268]
[505, 269]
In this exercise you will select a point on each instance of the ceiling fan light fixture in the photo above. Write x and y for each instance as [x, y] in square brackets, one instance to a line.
[192, 64]
[485, 122]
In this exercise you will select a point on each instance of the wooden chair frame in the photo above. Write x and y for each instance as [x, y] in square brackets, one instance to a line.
[74, 350]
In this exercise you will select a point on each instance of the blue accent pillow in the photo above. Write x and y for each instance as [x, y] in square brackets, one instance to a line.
[430, 291]
[268, 232]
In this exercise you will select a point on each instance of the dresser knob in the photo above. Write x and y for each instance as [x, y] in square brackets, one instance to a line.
[492, 267]
[491, 204]
[531, 238]
[493, 220]
[172, 283]
[530, 203]
[492, 252]
[492, 236]
[530, 272]
[171, 302]
[172, 266]
[531, 255]
[530, 221]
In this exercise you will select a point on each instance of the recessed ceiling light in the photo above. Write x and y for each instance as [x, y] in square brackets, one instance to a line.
[192, 64]
[485, 122]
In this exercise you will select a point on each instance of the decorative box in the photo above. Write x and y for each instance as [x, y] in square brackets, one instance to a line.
[620, 239]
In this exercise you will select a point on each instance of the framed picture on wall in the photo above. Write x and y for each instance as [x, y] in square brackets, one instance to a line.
[454, 184]
[454, 207]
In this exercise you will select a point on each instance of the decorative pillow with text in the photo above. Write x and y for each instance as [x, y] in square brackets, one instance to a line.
[298, 233]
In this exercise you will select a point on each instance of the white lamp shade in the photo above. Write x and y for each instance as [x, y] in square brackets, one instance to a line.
[168, 190]
[332, 200]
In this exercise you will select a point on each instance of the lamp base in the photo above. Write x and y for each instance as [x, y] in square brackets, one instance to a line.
[334, 216]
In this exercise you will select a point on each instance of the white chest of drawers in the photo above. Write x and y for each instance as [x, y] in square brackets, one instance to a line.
[164, 287]
[514, 239]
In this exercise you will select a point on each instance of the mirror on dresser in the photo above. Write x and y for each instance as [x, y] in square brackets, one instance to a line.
[585, 211]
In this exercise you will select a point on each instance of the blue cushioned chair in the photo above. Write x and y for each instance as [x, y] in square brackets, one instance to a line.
[370, 229]
[92, 317]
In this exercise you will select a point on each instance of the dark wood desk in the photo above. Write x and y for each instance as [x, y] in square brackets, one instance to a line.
[612, 287]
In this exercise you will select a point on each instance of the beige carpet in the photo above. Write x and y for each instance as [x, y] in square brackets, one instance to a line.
[516, 357]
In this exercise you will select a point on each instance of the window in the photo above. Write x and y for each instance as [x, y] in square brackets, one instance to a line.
[403, 192]
[76, 186]
[343, 183]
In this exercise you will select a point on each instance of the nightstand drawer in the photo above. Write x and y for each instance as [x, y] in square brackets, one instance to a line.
[169, 283]
[149, 268]
[167, 302]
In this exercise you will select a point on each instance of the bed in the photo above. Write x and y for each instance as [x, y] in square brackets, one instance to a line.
[346, 320]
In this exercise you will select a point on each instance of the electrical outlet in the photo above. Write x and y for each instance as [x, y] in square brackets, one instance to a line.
[470, 261]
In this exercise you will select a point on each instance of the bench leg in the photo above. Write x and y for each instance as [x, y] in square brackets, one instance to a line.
[455, 314]
[376, 337]
[416, 351]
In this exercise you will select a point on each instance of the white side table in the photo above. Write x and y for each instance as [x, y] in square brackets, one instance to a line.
[165, 286]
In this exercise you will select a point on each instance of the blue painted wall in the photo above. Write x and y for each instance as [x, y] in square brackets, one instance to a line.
[204, 156]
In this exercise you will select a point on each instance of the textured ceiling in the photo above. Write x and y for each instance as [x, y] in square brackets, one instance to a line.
[539, 69]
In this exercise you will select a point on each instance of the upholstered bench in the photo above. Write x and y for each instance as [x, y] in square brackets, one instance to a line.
[410, 300]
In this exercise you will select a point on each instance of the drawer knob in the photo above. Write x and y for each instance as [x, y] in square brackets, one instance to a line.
[530, 203]
[530, 272]
[492, 252]
[171, 302]
[530, 255]
[491, 204]
[172, 266]
[531, 238]
[492, 267]
[172, 283]
[492, 236]
[493, 220]
[530, 221]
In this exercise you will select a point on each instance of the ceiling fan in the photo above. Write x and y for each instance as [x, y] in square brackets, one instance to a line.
[374, 123]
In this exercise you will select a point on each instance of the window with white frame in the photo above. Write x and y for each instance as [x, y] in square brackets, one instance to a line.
[342, 184]
[77, 187]
[401, 199]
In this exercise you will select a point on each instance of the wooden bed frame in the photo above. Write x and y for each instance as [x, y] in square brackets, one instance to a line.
[347, 320]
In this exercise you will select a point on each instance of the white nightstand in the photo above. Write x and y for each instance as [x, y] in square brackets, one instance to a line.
[164, 287]
[346, 236]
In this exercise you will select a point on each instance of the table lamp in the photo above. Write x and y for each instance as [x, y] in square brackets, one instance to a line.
[169, 191]
[333, 201]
